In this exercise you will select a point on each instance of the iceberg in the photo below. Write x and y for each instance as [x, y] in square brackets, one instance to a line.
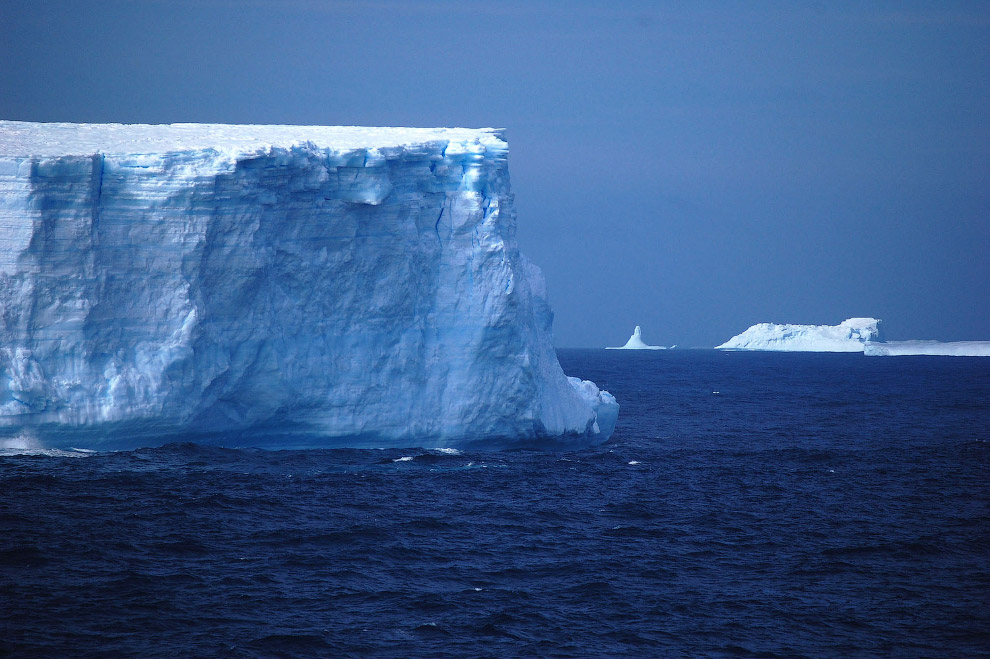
[277, 286]
[949, 349]
[635, 342]
[850, 335]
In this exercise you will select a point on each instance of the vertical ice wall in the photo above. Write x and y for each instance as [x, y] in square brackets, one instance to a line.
[284, 285]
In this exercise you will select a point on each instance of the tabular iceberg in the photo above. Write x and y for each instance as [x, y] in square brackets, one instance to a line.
[636, 342]
[947, 349]
[848, 336]
[273, 285]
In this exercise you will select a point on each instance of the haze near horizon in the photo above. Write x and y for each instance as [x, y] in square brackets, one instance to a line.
[693, 169]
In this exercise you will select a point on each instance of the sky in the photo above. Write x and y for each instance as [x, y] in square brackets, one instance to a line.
[691, 167]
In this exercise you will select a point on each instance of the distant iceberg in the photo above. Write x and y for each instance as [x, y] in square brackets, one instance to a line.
[635, 342]
[951, 349]
[850, 335]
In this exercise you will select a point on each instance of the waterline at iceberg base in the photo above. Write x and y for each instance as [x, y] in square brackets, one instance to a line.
[273, 286]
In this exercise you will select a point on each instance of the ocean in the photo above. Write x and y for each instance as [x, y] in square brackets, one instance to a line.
[748, 505]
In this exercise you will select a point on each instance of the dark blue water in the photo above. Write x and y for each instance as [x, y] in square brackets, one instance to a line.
[817, 505]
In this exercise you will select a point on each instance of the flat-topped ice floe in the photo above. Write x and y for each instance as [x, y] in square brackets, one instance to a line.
[635, 342]
[273, 286]
[948, 349]
[848, 336]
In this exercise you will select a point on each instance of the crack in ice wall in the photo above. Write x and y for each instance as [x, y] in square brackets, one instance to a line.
[278, 280]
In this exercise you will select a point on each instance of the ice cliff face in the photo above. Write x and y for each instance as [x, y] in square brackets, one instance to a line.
[272, 285]
[848, 336]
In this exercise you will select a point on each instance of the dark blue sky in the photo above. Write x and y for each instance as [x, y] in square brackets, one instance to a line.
[691, 167]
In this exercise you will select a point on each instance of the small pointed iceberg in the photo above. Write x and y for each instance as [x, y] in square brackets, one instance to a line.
[635, 342]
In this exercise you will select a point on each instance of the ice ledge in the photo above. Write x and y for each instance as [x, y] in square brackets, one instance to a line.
[603, 404]
[27, 139]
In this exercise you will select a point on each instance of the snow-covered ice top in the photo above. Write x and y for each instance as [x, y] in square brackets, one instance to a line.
[848, 336]
[273, 285]
[22, 138]
[636, 342]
